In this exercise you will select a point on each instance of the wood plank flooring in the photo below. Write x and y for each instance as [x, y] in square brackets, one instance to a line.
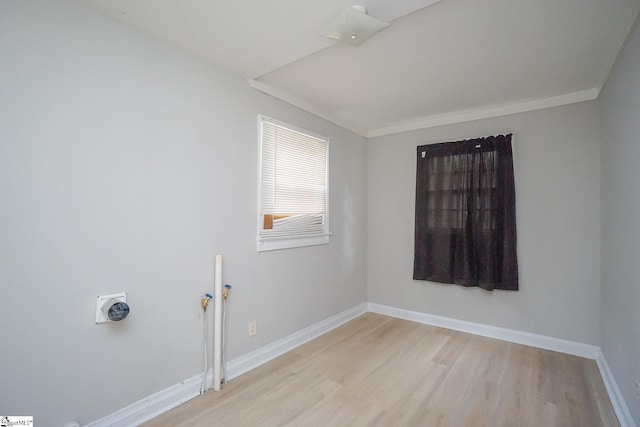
[381, 371]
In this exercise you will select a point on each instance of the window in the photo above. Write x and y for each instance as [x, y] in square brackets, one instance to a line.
[465, 231]
[292, 207]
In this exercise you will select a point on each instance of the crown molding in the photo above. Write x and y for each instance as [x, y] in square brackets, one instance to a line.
[487, 112]
[435, 120]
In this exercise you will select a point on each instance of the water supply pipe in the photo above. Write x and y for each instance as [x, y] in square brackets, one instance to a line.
[217, 325]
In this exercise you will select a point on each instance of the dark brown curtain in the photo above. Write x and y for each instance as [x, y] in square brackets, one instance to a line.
[465, 225]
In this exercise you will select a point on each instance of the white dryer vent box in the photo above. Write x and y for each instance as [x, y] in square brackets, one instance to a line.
[101, 303]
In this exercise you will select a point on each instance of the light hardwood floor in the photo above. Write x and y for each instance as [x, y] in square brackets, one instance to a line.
[380, 371]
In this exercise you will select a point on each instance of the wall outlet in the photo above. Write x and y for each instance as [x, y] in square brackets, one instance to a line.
[252, 328]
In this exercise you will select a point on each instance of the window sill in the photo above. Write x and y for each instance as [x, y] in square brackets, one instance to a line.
[289, 242]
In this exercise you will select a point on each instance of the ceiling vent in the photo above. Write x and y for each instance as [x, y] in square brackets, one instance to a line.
[353, 26]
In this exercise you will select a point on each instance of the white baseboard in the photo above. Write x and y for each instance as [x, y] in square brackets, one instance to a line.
[511, 335]
[153, 405]
[264, 354]
[533, 340]
[618, 403]
[167, 399]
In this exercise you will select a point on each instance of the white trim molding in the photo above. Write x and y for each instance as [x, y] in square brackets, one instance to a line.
[487, 112]
[304, 105]
[426, 122]
[615, 396]
[249, 361]
[533, 340]
[153, 405]
[167, 399]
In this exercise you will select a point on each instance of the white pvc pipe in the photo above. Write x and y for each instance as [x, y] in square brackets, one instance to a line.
[217, 325]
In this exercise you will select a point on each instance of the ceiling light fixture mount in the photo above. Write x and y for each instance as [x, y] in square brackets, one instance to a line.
[353, 26]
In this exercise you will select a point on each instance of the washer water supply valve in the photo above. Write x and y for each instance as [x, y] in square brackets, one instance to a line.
[204, 301]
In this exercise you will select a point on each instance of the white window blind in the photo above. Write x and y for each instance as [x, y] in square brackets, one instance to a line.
[293, 186]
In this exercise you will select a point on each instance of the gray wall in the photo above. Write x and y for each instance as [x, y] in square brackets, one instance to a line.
[620, 108]
[557, 177]
[126, 165]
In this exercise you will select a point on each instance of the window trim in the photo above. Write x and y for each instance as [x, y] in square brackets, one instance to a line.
[270, 243]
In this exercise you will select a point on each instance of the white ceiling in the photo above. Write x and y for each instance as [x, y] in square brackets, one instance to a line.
[440, 61]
